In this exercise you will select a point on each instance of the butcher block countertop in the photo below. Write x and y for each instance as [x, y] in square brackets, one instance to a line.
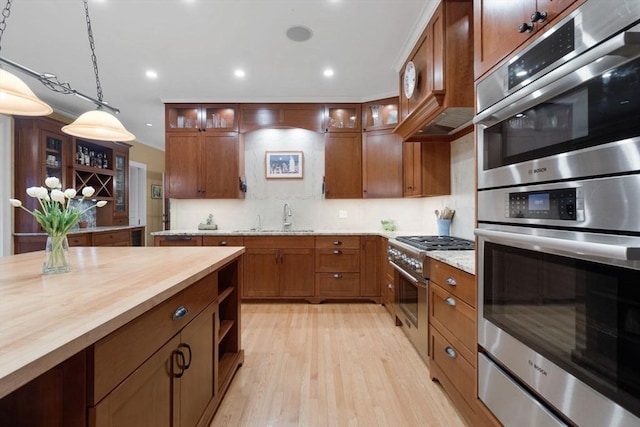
[44, 320]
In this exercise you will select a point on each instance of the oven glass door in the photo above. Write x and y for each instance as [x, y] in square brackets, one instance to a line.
[408, 298]
[602, 109]
[582, 315]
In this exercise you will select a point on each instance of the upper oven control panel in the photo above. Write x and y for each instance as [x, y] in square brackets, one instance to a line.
[562, 204]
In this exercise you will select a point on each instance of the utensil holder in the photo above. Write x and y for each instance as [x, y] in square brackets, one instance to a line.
[444, 226]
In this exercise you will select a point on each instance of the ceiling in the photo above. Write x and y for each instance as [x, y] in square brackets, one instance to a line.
[196, 45]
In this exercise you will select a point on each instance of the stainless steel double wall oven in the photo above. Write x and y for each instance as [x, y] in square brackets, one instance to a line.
[559, 224]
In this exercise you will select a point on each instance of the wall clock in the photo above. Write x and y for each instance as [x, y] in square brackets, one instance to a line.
[409, 79]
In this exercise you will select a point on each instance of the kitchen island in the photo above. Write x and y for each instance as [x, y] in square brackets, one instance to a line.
[112, 314]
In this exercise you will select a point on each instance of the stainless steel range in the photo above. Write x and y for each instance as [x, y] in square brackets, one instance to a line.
[408, 256]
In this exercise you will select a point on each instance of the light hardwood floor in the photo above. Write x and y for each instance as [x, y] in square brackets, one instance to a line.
[330, 364]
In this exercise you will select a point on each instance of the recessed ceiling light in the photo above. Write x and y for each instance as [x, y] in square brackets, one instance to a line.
[152, 74]
[328, 72]
[299, 33]
[239, 73]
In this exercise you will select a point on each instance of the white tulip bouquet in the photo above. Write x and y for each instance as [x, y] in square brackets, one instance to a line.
[57, 216]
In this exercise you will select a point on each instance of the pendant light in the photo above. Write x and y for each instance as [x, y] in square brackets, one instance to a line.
[97, 124]
[15, 95]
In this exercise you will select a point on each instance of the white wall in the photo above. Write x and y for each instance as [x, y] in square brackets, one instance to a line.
[266, 197]
[6, 183]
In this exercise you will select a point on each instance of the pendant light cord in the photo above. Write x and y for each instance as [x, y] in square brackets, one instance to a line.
[92, 45]
[3, 23]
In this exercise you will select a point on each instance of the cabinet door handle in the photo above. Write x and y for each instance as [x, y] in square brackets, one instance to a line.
[180, 312]
[222, 243]
[389, 286]
[180, 362]
[187, 364]
[451, 281]
[337, 276]
[450, 352]
[538, 16]
[450, 301]
[525, 28]
[337, 252]
[337, 242]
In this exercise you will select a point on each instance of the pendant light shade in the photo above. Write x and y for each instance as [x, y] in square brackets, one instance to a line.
[99, 125]
[16, 97]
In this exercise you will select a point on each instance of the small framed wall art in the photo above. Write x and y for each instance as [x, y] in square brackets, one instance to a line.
[284, 164]
[156, 191]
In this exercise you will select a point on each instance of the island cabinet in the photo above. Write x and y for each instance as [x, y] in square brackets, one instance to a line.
[178, 361]
[501, 27]
[279, 267]
[204, 159]
[153, 346]
[298, 115]
[452, 334]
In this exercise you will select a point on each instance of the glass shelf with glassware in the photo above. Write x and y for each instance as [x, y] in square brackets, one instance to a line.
[380, 114]
[342, 118]
[201, 117]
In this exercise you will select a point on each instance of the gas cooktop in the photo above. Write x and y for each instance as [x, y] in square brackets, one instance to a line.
[437, 243]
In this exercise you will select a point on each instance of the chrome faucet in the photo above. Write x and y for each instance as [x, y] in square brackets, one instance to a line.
[287, 213]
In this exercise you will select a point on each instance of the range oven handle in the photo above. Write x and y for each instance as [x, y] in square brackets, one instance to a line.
[619, 252]
[407, 275]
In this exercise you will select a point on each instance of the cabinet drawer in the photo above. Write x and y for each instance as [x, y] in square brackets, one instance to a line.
[337, 260]
[270, 242]
[453, 314]
[222, 241]
[112, 238]
[338, 242]
[114, 357]
[82, 239]
[457, 282]
[338, 284]
[456, 368]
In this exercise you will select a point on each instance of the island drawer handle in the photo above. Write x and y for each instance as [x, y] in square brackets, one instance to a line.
[180, 312]
[451, 281]
[337, 242]
[450, 301]
[450, 352]
[223, 243]
[337, 276]
[337, 252]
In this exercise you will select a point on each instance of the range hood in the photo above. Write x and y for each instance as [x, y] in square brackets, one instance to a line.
[437, 101]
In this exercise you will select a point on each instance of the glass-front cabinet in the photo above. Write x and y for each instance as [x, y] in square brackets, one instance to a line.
[201, 117]
[342, 118]
[53, 157]
[121, 186]
[381, 114]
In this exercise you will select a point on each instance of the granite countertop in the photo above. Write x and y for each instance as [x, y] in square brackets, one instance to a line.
[44, 320]
[79, 230]
[464, 260]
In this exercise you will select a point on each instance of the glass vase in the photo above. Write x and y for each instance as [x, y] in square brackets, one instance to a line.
[56, 255]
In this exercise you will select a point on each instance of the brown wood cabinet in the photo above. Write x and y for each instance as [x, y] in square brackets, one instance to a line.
[279, 267]
[496, 27]
[343, 165]
[382, 164]
[453, 336]
[342, 118]
[125, 237]
[337, 266]
[388, 284]
[426, 169]
[370, 268]
[443, 98]
[380, 114]
[261, 116]
[203, 160]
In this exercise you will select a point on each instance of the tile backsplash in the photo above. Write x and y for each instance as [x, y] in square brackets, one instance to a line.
[265, 198]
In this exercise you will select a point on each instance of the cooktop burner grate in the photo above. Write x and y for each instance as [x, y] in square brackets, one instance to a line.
[437, 243]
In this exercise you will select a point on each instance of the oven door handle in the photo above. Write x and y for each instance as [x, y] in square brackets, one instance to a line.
[407, 275]
[604, 250]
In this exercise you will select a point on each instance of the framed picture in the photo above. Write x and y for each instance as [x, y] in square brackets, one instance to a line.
[284, 164]
[156, 191]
